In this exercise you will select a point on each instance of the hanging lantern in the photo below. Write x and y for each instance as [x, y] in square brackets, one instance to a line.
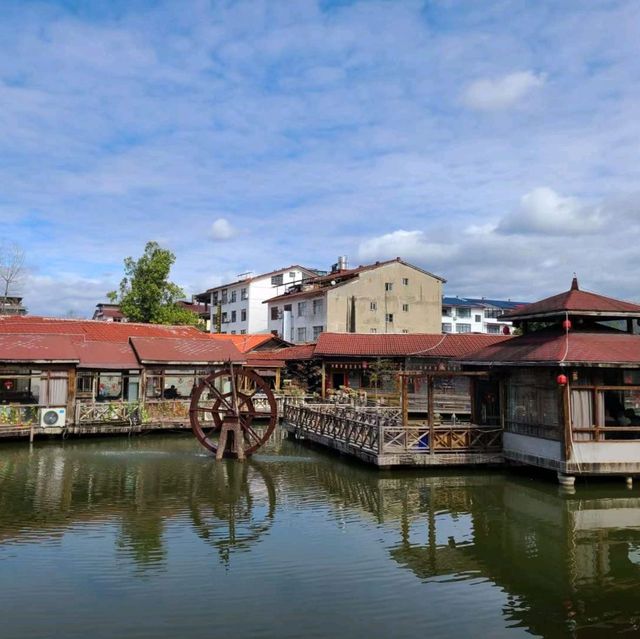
[566, 325]
[365, 365]
[8, 384]
[562, 380]
[505, 330]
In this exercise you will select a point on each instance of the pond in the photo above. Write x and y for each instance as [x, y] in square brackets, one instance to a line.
[150, 537]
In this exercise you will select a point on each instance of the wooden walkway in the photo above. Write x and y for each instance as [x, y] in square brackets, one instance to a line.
[377, 436]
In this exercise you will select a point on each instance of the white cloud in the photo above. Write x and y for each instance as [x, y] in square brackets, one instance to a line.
[221, 230]
[409, 245]
[492, 94]
[543, 211]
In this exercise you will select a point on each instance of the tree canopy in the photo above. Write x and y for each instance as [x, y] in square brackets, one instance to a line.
[147, 295]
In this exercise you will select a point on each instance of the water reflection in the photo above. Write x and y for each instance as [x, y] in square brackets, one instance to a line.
[564, 565]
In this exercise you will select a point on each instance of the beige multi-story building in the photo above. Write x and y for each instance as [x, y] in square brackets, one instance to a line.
[385, 297]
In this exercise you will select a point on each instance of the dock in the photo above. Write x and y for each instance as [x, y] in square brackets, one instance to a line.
[378, 436]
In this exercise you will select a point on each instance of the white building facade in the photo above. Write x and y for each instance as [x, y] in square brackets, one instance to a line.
[475, 315]
[237, 308]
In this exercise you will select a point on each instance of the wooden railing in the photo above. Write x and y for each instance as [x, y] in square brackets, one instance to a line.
[381, 431]
[107, 413]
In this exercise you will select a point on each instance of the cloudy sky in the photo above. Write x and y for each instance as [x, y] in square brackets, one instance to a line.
[494, 143]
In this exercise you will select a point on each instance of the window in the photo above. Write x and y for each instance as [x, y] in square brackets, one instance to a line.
[215, 298]
[287, 307]
[317, 307]
[243, 315]
[291, 334]
[233, 332]
[405, 308]
[388, 286]
[464, 312]
[302, 334]
[373, 330]
[233, 296]
[233, 316]
[243, 294]
[388, 317]
[302, 308]
[275, 313]
[405, 281]
[492, 313]
[225, 318]
[243, 331]
[404, 330]
[463, 328]
[446, 311]
[292, 275]
[494, 329]
[478, 318]
[446, 327]
[224, 296]
[85, 383]
[373, 306]
[316, 331]
[276, 280]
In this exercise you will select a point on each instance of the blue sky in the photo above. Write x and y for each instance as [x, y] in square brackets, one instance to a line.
[494, 143]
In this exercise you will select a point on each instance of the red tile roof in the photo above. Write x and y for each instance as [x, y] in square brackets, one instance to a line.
[553, 347]
[105, 355]
[574, 302]
[403, 345]
[249, 342]
[163, 350]
[299, 352]
[37, 348]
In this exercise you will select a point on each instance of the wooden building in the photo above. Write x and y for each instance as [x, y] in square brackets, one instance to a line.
[568, 388]
[82, 376]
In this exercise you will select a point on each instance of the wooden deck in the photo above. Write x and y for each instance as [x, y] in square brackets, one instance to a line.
[377, 436]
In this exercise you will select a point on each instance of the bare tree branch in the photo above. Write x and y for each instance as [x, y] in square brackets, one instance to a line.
[11, 271]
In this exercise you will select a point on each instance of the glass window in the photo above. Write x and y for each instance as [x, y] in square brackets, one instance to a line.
[316, 331]
[463, 312]
[243, 294]
[317, 307]
[373, 330]
[492, 313]
[292, 274]
[275, 313]
[405, 308]
[109, 386]
[463, 328]
[224, 296]
[276, 280]
[233, 296]
[84, 383]
[373, 306]
[478, 318]
[405, 281]
[233, 316]
[243, 332]
[388, 317]
[243, 315]
[493, 329]
[446, 327]
[388, 286]
[446, 311]
[302, 308]
[302, 334]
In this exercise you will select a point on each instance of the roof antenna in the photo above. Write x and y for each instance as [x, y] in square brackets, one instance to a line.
[574, 283]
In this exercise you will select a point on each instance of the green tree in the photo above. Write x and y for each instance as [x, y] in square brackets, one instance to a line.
[147, 295]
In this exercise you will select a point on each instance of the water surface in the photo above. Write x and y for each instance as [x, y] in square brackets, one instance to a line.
[150, 537]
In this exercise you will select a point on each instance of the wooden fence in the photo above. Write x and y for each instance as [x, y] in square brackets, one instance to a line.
[381, 431]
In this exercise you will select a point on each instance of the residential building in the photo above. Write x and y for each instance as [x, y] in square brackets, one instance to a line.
[237, 308]
[112, 313]
[385, 297]
[11, 305]
[476, 315]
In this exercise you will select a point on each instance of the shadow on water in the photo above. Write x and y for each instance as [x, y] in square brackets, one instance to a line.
[568, 565]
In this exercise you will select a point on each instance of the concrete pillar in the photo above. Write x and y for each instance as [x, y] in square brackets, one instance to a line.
[567, 481]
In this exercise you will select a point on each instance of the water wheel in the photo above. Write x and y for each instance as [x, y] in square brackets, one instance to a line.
[233, 412]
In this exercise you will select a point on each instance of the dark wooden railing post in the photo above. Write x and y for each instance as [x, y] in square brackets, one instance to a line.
[430, 409]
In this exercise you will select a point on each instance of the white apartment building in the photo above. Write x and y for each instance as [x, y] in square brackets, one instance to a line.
[385, 297]
[237, 308]
[475, 315]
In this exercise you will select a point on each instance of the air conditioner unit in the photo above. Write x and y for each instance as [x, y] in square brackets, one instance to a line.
[53, 417]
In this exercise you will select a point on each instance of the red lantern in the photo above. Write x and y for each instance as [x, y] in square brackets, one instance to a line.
[566, 325]
[562, 380]
[365, 365]
[505, 330]
[8, 384]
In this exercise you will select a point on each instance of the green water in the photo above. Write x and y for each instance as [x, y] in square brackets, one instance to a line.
[150, 537]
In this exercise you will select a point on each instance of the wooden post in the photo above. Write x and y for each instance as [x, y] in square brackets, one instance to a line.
[502, 399]
[71, 396]
[324, 380]
[405, 400]
[277, 383]
[567, 421]
[430, 408]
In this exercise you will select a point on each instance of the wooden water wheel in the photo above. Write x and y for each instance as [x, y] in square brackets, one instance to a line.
[233, 412]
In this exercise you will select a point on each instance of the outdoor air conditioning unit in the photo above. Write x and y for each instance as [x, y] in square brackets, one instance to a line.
[53, 417]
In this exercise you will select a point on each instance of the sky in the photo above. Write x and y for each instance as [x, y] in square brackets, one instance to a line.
[494, 143]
